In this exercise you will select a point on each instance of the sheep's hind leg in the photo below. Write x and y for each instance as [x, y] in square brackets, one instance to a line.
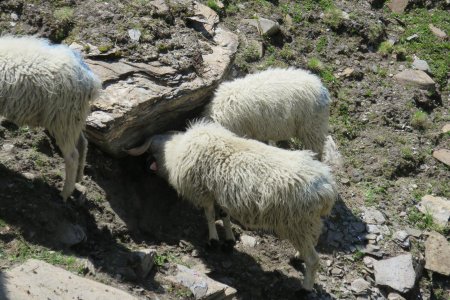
[71, 165]
[211, 219]
[82, 146]
[230, 240]
[311, 259]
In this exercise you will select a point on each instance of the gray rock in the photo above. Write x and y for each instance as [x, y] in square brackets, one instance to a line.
[248, 241]
[134, 34]
[137, 95]
[264, 26]
[446, 128]
[395, 296]
[360, 286]
[373, 216]
[145, 262]
[398, 6]
[35, 280]
[14, 17]
[201, 286]
[368, 261]
[9, 148]
[437, 31]
[415, 78]
[437, 254]
[402, 238]
[268, 27]
[373, 251]
[438, 207]
[412, 37]
[69, 234]
[421, 65]
[337, 272]
[161, 7]
[205, 19]
[414, 232]
[397, 273]
[443, 155]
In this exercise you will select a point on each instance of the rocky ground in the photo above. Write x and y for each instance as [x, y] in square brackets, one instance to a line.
[386, 65]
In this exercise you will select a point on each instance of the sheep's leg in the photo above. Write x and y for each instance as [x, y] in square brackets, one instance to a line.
[314, 143]
[71, 165]
[311, 259]
[211, 219]
[230, 240]
[82, 150]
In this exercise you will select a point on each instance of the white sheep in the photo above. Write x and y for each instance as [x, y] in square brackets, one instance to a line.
[276, 104]
[49, 86]
[262, 187]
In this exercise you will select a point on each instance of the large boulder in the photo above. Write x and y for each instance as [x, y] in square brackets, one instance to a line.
[140, 99]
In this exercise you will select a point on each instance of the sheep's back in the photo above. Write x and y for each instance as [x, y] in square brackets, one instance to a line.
[42, 84]
[251, 180]
[294, 96]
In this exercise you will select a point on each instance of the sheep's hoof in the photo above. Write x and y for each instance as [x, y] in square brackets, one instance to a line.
[228, 246]
[212, 244]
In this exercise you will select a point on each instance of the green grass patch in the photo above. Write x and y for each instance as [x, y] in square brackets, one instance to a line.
[64, 14]
[427, 46]
[322, 44]
[419, 120]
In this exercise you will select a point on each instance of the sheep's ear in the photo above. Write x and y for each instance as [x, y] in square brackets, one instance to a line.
[154, 166]
[139, 150]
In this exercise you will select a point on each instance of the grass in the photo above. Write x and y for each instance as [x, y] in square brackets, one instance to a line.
[64, 14]
[385, 48]
[427, 46]
[24, 251]
[314, 64]
[322, 44]
[419, 120]
[287, 52]
[407, 153]
[213, 5]
[333, 17]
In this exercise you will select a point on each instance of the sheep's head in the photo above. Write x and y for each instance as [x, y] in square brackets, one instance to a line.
[156, 145]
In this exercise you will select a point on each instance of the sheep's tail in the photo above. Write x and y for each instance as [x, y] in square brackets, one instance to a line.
[329, 196]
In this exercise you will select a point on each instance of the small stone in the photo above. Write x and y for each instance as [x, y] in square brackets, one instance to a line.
[30, 176]
[414, 232]
[201, 286]
[14, 17]
[415, 78]
[347, 72]
[373, 216]
[134, 34]
[412, 37]
[437, 254]
[421, 65]
[443, 155]
[446, 128]
[395, 296]
[360, 286]
[368, 261]
[70, 234]
[437, 31]
[402, 214]
[77, 47]
[373, 250]
[397, 273]
[438, 207]
[336, 272]
[248, 241]
[398, 6]
[371, 236]
[145, 262]
[268, 27]
[8, 148]
[401, 235]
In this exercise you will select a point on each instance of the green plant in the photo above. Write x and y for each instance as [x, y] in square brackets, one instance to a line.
[419, 120]
[104, 48]
[358, 255]
[251, 52]
[334, 18]
[213, 5]
[287, 53]
[322, 44]
[314, 64]
[64, 14]
[385, 48]
[407, 153]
